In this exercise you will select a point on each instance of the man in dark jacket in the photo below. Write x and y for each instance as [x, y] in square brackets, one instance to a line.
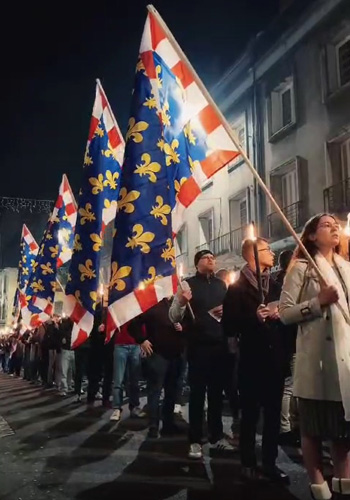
[163, 343]
[263, 359]
[206, 349]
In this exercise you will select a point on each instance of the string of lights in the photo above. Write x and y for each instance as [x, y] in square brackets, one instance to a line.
[21, 204]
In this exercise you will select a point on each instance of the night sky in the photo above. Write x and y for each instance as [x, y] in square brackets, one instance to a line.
[52, 54]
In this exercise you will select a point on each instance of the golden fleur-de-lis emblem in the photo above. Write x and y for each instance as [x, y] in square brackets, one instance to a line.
[150, 102]
[77, 243]
[169, 252]
[24, 260]
[118, 276]
[97, 242]
[135, 129]
[25, 271]
[158, 73]
[189, 134]
[65, 233]
[161, 210]
[160, 144]
[109, 153]
[140, 66]
[140, 239]
[111, 179]
[54, 286]
[178, 184]
[38, 286]
[171, 155]
[152, 277]
[99, 131]
[126, 200]
[47, 269]
[108, 204]
[69, 277]
[86, 215]
[148, 167]
[164, 114]
[97, 183]
[86, 271]
[87, 159]
[34, 264]
[49, 236]
[77, 296]
[54, 251]
[194, 164]
[93, 297]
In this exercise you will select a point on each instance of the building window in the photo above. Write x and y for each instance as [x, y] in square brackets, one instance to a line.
[336, 64]
[181, 241]
[286, 190]
[240, 129]
[206, 222]
[343, 60]
[281, 107]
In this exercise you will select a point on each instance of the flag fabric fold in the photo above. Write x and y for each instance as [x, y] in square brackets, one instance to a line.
[55, 250]
[175, 143]
[29, 250]
[96, 208]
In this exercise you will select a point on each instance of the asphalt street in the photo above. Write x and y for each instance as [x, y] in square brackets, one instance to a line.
[54, 448]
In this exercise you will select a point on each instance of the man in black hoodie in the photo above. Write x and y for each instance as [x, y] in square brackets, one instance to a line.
[163, 344]
[206, 349]
[263, 359]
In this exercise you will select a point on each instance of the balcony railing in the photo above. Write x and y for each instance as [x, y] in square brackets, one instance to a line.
[229, 242]
[294, 214]
[337, 197]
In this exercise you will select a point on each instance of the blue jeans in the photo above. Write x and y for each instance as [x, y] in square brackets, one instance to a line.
[126, 356]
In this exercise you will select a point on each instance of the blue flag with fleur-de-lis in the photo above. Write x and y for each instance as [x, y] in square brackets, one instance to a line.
[96, 208]
[54, 250]
[175, 143]
[29, 249]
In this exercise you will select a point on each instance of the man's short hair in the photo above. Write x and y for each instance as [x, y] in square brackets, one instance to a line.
[247, 245]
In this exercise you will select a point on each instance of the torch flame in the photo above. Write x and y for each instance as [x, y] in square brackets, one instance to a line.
[251, 233]
[232, 277]
[347, 227]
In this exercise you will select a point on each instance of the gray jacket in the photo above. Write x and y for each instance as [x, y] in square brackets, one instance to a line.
[316, 372]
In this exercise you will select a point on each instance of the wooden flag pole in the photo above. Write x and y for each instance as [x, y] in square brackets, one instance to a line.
[232, 136]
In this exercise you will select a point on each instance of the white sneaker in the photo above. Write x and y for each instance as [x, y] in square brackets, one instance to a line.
[222, 445]
[98, 396]
[137, 413]
[115, 415]
[178, 409]
[195, 451]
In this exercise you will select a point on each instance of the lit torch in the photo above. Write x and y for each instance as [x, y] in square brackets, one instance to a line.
[232, 277]
[347, 234]
[253, 238]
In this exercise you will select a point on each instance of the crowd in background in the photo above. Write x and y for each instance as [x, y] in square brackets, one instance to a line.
[263, 342]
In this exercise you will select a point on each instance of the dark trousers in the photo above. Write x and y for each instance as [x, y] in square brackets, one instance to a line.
[81, 355]
[100, 365]
[26, 363]
[231, 383]
[44, 364]
[205, 372]
[260, 390]
[162, 372]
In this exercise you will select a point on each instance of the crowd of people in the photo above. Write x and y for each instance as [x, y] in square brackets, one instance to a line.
[286, 354]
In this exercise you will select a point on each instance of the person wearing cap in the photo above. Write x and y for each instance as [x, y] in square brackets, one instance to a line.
[206, 349]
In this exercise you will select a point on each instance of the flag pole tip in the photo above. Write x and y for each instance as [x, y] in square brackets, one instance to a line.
[150, 8]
